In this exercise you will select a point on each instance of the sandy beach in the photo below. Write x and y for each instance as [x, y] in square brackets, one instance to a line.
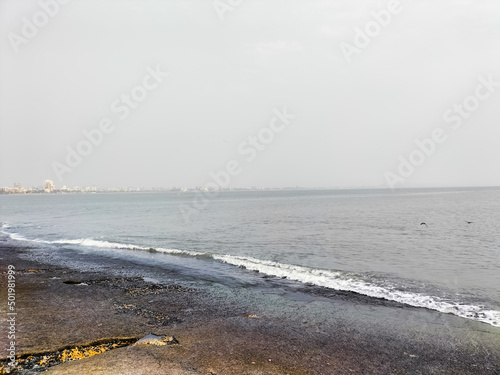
[73, 321]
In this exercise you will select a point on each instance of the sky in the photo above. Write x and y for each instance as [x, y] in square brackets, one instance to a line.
[269, 93]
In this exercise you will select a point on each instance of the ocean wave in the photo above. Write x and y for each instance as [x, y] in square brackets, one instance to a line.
[345, 282]
[330, 279]
[115, 245]
[88, 242]
[12, 235]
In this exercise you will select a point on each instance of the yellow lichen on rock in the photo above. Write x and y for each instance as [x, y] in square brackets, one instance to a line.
[44, 361]
[75, 353]
[47, 359]
[68, 354]
[7, 369]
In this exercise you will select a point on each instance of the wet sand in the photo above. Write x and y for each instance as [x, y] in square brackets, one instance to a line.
[231, 330]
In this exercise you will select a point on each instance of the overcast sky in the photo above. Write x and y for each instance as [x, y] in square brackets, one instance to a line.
[230, 68]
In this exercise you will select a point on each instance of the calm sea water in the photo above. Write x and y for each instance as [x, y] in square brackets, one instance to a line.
[367, 241]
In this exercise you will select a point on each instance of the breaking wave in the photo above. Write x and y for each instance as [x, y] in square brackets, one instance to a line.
[326, 278]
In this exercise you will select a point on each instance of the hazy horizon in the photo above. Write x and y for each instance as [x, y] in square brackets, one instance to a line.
[253, 187]
[266, 93]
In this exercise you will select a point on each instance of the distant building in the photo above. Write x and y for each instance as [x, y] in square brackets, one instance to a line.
[17, 185]
[48, 186]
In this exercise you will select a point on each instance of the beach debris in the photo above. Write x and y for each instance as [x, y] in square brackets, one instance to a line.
[252, 316]
[152, 339]
[411, 355]
[125, 306]
[159, 288]
[74, 282]
[154, 318]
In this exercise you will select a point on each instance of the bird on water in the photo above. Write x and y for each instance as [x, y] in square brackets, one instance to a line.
[469, 222]
[424, 224]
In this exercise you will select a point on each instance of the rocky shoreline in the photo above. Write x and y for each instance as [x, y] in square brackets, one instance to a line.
[71, 321]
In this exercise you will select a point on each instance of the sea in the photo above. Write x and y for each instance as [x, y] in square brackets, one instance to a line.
[370, 242]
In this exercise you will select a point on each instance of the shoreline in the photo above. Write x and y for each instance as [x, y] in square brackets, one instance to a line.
[230, 329]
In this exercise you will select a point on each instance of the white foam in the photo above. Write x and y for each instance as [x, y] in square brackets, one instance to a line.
[342, 281]
[181, 252]
[115, 245]
[17, 237]
[88, 242]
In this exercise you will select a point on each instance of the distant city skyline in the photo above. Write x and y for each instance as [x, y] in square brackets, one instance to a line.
[49, 186]
[320, 93]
